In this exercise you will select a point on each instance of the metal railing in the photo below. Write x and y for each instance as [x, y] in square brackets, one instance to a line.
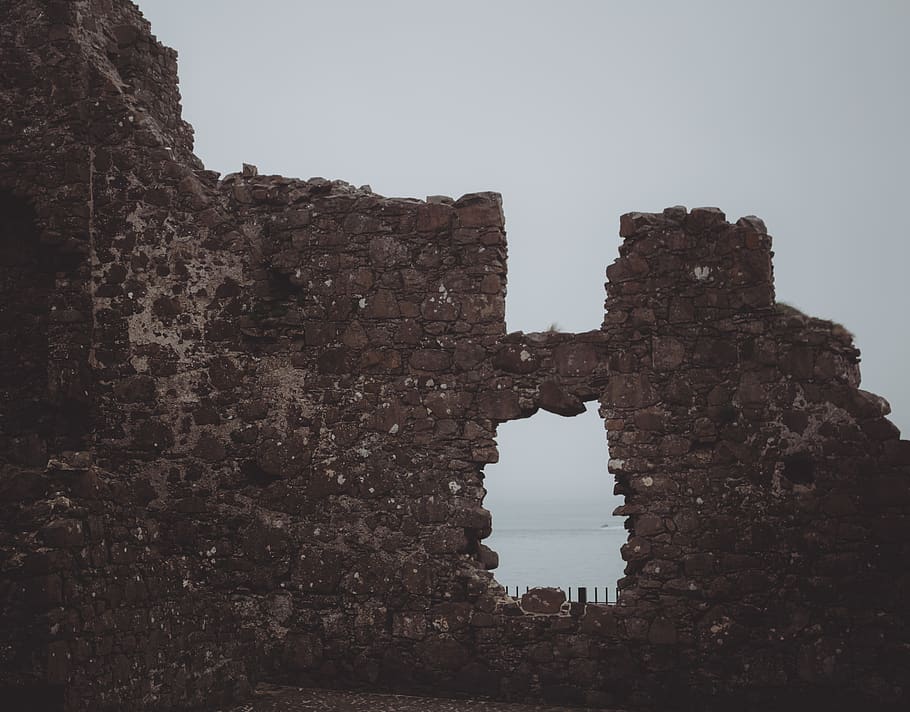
[601, 594]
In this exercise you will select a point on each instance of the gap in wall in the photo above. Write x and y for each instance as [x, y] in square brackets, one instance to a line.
[552, 500]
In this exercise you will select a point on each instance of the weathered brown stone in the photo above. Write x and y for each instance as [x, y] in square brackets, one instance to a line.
[543, 600]
[287, 391]
[409, 625]
[166, 308]
[126, 35]
[303, 652]
[137, 389]
[450, 617]
[516, 358]
[63, 533]
[555, 400]
[630, 391]
[575, 359]
[434, 216]
[668, 353]
[430, 360]
[439, 308]
[330, 361]
[488, 558]
[499, 405]
[705, 218]
[223, 373]
[479, 210]
[382, 305]
[897, 453]
[153, 435]
[468, 355]
[599, 621]
[648, 525]
[210, 448]
[386, 360]
[634, 223]
[662, 632]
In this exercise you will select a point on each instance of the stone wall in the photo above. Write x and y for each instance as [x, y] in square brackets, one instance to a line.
[766, 493]
[265, 406]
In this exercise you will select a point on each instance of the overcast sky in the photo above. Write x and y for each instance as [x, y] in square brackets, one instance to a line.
[578, 111]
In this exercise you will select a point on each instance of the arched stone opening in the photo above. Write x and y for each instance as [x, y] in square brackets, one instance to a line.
[44, 337]
[552, 500]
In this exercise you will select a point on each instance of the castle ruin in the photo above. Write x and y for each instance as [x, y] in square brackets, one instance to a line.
[244, 423]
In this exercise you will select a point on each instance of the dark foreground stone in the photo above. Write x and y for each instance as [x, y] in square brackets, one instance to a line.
[271, 698]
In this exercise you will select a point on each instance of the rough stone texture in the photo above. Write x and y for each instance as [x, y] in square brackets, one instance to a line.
[244, 425]
[273, 698]
[543, 600]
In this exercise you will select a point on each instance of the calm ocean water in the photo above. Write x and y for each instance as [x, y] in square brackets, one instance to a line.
[576, 551]
[551, 499]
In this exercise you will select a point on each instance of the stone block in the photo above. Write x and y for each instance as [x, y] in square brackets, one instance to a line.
[431, 360]
[543, 600]
[435, 216]
[516, 358]
[631, 224]
[412, 626]
[480, 210]
[499, 405]
[599, 620]
[705, 218]
[667, 352]
[135, 389]
[630, 390]
[578, 359]
[556, 400]
[63, 533]
[662, 632]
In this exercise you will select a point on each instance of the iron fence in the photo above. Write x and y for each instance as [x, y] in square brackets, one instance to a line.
[583, 594]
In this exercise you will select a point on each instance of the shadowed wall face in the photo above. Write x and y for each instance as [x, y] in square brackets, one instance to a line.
[26, 282]
[45, 333]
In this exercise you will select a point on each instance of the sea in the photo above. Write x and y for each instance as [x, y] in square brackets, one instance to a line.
[551, 500]
[568, 553]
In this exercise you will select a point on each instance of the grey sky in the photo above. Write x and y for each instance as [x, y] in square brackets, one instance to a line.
[580, 111]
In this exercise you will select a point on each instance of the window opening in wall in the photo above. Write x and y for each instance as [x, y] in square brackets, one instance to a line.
[552, 503]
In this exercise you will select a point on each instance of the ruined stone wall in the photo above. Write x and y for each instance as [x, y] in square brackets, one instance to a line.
[265, 406]
[766, 493]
